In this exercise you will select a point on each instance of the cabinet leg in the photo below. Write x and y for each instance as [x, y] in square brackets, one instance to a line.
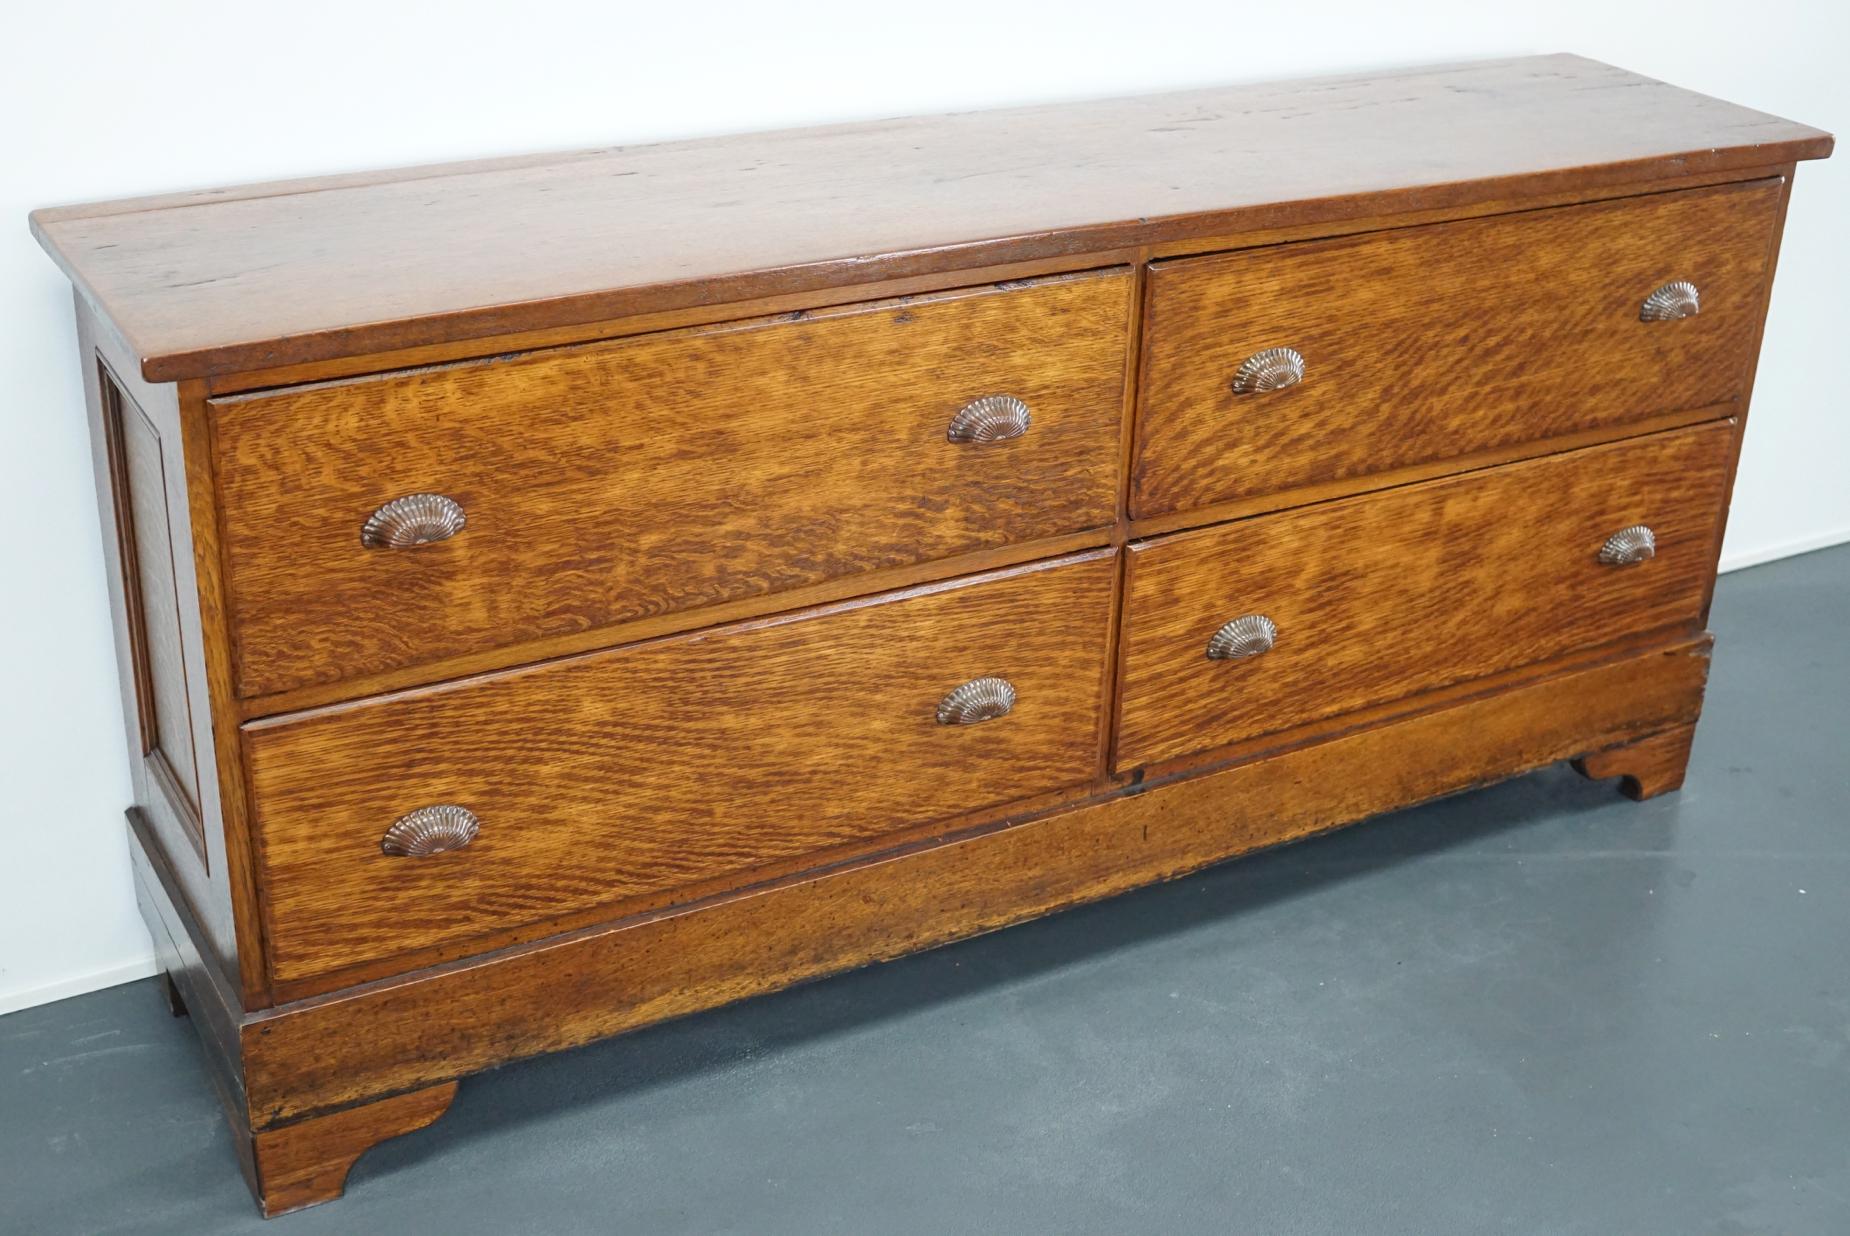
[1649, 766]
[176, 1003]
[304, 1163]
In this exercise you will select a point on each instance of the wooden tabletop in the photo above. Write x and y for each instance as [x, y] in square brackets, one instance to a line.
[220, 281]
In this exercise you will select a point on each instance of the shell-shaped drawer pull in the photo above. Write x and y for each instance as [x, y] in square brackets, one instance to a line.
[1249, 635]
[1271, 370]
[1628, 545]
[980, 699]
[415, 519]
[993, 418]
[1670, 302]
[430, 830]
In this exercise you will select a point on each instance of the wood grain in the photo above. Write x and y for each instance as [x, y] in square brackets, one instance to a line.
[490, 658]
[950, 278]
[198, 827]
[1646, 767]
[1382, 596]
[1431, 343]
[667, 763]
[1752, 365]
[276, 274]
[447, 1022]
[1394, 478]
[306, 1163]
[140, 483]
[623, 481]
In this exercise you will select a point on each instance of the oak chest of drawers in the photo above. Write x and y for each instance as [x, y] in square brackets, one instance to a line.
[558, 594]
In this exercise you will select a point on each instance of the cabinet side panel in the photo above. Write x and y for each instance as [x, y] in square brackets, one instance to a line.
[1751, 369]
[140, 459]
[163, 711]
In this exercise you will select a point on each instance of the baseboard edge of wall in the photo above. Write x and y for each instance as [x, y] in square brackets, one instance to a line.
[1783, 549]
[78, 985]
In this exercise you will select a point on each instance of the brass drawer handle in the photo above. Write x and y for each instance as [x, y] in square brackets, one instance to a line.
[415, 519]
[1249, 635]
[993, 418]
[1271, 370]
[980, 699]
[1629, 545]
[1670, 302]
[430, 830]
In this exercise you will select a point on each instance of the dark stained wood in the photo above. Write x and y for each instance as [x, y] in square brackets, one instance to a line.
[1431, 343]
[277, 274]
[170, 993]
[660, 765]
[447, 1022]
[1649, 766]
[629, 480]
[306, 1163]
[1382, 596]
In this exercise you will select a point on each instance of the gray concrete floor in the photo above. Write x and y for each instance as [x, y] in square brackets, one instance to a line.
[1538, 1008]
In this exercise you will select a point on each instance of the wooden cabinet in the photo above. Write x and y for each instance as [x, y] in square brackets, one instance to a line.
[559, 594]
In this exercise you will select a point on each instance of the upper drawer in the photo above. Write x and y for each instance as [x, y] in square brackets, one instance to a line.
[615, 481]
[1429, 343]
[1372, 599]
[695, 758]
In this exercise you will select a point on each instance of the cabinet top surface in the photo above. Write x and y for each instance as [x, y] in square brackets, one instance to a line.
[225, 280]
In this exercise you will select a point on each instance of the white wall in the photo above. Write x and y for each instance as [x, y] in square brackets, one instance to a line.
[111, 99]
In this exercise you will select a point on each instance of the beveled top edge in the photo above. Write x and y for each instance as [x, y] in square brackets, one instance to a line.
[224, 280]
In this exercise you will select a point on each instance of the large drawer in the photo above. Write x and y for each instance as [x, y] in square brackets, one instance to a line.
[684, 761]
[1429, 343]
[1369, 600]
[634, 478]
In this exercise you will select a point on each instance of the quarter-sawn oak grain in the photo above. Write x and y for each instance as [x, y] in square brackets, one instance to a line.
[1385, 595]
[625, 480]
[1434, 342]
[628, 772]
[274, 274]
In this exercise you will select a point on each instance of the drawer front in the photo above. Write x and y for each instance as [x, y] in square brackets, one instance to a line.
[688, 760]
[1429, 343]
[622, 480]
[1376, 598]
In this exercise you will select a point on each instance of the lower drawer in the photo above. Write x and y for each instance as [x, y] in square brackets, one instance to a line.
[1343, 606]
[674, 763]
